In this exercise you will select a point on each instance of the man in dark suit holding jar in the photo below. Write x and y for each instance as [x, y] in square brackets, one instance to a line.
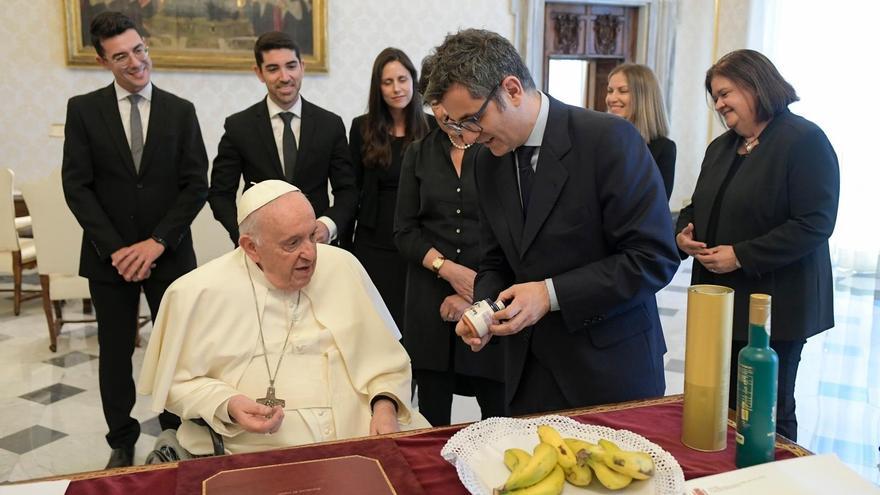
[576, 232]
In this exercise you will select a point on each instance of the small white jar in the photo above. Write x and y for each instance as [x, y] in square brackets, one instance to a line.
[478, 317]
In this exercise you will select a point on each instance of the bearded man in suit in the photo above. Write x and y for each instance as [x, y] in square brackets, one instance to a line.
[285, 137]
[576, 232]
[135, 176]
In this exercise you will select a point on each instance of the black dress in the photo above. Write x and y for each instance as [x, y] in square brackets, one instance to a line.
[373, 243]
[663, 151]
[437, 208]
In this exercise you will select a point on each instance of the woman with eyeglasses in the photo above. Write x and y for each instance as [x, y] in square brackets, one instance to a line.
[377, 139]
[437, 232]
[634, 94]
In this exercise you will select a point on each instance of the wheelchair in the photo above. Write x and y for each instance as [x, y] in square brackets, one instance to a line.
[168, 449]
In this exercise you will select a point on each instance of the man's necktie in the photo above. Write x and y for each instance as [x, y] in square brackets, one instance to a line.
[137, 132]
[288, 146]
[526, 173]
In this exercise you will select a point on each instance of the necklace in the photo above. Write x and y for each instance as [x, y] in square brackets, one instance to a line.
[270, 399]
[459, 146]
[750, 144]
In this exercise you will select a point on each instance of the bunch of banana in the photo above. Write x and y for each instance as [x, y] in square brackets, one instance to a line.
[615, 468]
[538, 474]
[556, 460]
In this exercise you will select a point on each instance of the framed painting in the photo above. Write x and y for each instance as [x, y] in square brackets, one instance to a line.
[205, 34]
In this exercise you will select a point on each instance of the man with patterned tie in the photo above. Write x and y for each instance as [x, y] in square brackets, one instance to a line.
[285, 137]
[135, 176]
[576, 238]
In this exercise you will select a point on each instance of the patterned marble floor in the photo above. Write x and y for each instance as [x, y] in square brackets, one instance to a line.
[51, 420]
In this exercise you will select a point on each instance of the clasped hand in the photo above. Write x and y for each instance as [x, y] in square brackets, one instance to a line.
[135, 263]
[525, 304]
[719, 259]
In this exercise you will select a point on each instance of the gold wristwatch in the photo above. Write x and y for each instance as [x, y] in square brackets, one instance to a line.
[437, 263]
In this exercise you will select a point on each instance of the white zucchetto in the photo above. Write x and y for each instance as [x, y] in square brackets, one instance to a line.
[261, 194]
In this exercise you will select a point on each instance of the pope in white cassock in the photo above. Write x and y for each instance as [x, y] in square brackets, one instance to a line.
[274, 349]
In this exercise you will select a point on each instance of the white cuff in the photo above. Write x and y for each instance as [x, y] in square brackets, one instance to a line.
[551, 291]
[331, 226]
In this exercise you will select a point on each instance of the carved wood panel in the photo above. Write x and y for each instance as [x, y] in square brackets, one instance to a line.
[604, 35]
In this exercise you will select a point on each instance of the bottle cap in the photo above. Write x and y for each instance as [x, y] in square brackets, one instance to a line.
[759, 309]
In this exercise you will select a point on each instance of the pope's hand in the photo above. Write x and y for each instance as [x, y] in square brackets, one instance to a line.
[254, 417]
[384, 418]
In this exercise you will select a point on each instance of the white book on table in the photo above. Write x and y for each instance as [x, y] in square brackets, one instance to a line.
[814, 474]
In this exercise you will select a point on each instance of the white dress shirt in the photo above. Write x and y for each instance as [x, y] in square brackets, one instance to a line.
[536, 138]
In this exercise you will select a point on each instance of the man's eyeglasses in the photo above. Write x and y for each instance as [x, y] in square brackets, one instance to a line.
[123, 60]
[472, 123]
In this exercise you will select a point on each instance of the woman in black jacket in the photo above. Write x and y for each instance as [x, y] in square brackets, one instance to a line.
[377, 139]
[762, 211]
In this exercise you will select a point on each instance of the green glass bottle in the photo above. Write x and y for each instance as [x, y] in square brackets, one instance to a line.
[757, 374]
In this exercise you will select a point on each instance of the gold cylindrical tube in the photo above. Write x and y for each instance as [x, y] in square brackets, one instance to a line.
[707, 367]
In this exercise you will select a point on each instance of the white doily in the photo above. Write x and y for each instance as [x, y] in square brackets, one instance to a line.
[477, 452]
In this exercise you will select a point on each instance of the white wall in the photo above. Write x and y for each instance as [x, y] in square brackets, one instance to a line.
[693, 122]
[35, 82]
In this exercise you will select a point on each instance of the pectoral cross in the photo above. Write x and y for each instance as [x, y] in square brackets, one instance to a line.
[270, 399]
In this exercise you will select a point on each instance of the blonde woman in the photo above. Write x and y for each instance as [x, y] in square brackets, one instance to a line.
[634, 94]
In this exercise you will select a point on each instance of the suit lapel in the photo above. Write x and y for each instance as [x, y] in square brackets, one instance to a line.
[158, 113]
[508, 191]
[306, 136]
[109, 108]
[550, 174]
[264, 129]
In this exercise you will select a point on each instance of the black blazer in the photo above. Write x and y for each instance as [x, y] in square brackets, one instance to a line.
[778, 213]
[248, 149]
[663, 150]
[117, 206]
[596, 227]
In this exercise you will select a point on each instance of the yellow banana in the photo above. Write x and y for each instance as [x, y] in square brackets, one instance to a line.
[552, 484]
[583, 449]
[512, 457]
[542, 462]
[638, 465]
[609, 478]
[608, 445]
[579, 475]
[565, 456]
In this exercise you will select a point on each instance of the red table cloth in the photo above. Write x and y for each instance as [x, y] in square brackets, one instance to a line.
[412, 460]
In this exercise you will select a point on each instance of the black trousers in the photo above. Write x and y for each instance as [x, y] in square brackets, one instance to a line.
[437, 387]
[116, 310]
[789, 352]
[537, 391]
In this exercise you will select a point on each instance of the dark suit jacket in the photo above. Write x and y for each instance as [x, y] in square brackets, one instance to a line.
[663, 150]
[248, 149]
[117, 206]
[778, 213]
[596, 227]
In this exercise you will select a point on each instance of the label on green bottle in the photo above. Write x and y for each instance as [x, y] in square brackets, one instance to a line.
[747, 382]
